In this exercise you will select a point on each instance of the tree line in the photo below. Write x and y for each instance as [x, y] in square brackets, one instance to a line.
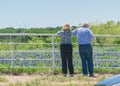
[110, 27]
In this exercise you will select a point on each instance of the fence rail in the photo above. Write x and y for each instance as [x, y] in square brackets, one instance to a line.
[105, 55]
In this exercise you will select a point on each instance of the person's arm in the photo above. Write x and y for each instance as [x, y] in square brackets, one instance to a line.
[59, 33]
[91, 35]
[74, 32]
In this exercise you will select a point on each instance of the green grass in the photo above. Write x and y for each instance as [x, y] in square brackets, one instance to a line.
[18, 71]
[48, 77]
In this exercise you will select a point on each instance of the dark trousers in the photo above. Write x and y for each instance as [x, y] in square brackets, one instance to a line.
[66, 56]
[85, 52]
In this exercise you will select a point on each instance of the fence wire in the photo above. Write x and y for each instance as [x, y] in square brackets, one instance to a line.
[42, 51]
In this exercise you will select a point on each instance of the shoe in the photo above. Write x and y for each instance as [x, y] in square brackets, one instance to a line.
[64, 75]
[92, 75]
[71, 75]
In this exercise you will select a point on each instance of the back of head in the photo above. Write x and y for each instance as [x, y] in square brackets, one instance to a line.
[85, 24]
[66, 27]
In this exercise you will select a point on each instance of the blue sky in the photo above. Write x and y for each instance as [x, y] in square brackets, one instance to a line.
[53, 13]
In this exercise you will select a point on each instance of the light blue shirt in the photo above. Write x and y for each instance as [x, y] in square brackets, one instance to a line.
[84, 35]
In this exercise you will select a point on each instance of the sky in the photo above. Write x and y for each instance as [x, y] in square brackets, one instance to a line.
[53, 13]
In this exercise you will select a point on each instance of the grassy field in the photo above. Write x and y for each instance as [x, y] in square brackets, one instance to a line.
[43, 79]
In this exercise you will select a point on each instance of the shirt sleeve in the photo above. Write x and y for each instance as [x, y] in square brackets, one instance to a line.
[59, 33]
[74, 32]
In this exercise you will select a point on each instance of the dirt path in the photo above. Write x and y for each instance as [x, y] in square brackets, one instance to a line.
[56, 80]
[14, 79]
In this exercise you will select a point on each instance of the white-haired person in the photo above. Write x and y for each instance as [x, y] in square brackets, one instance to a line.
[66, 50]
[85, 36]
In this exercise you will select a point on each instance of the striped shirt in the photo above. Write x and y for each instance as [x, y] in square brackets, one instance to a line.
[65, 37]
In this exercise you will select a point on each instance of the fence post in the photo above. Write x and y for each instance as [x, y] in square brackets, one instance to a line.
[53, 53]
[11, 56]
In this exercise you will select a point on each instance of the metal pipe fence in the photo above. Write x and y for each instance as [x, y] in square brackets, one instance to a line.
[22, 50]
